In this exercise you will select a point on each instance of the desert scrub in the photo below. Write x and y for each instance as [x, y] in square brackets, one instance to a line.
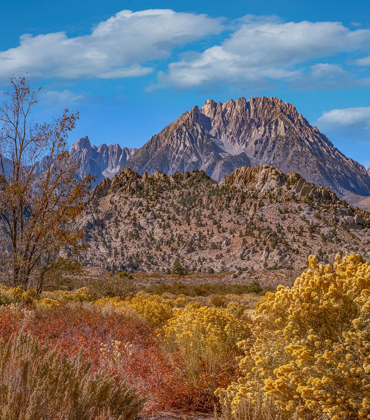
[30, 297]
[246, 410]
[46, 303]
[203, 289]
[152, 308]
[80, 295]
[37, 382]
[17, 295]
[312, 346]
[109, 305]
[206, 340]
[14, 317]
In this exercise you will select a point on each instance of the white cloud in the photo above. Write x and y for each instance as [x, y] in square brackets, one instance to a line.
[64, 97]
[267, 49]
[328, 71]
[116, 48]
[363, 61]
[355, 120]
[325, 76]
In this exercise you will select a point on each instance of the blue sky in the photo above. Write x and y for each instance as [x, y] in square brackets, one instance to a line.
[132, 67]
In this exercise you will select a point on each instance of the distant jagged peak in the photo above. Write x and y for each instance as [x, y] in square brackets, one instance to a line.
[80, 144]
[255, 107]
[104, 161]
[104, 147]
[85, 143]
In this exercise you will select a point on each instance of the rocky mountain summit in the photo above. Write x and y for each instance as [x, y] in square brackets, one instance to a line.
[102, 161]
[221, 137]
[254, 219]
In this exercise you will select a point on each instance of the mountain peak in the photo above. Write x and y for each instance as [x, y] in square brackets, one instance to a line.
[80, 144]
[259, 107]
[102, 161]
[222, 136]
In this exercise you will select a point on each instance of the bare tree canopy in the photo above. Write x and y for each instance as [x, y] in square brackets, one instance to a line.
[40, 195]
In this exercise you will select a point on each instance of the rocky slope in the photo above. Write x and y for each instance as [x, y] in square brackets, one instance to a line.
[102, 161]
[221, 137]
[254, 219]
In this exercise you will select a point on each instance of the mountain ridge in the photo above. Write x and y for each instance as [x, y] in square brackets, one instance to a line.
[255, 218]
[102, 161]
[221, 137]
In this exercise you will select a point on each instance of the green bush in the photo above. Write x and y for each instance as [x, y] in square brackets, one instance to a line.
[178, 268]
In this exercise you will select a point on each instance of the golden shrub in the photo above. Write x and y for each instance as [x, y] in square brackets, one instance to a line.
[80, 295]
[112, 304]
[17, 295]
[311, 352]
[206, 337]
[152, 308]
[47, 303]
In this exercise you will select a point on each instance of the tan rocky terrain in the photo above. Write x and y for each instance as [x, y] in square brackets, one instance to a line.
[254, 220]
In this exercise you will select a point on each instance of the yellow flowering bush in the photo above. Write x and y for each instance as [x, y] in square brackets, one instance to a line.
[311, 349]
[206, 337]
[110, 305]
[17, 295]
[80, 295]
[47, 303]
[152, 308]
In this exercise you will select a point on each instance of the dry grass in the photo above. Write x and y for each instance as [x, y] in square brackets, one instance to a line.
[39, 383]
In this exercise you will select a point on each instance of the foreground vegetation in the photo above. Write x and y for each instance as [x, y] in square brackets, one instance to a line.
[304, 352]
[310, 350]
[162, 352]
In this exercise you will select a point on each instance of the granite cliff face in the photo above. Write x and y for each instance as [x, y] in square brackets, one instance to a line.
[221, 137]
[102, 161]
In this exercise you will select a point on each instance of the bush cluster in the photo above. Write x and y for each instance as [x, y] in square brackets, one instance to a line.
[311, 345]
[205, 337]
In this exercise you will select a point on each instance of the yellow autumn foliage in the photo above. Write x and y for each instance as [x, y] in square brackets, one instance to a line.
[152, 308]
[46, 303]
[17, 295]
[80, 295]
[206, 337]
[311, 346]
[112, 305]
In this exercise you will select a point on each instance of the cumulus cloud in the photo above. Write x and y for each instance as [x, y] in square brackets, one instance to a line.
[116, 48]
[365, 61]
[262, 50]
[355, 120]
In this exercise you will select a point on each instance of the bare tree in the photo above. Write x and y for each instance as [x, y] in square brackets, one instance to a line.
[40, 195]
